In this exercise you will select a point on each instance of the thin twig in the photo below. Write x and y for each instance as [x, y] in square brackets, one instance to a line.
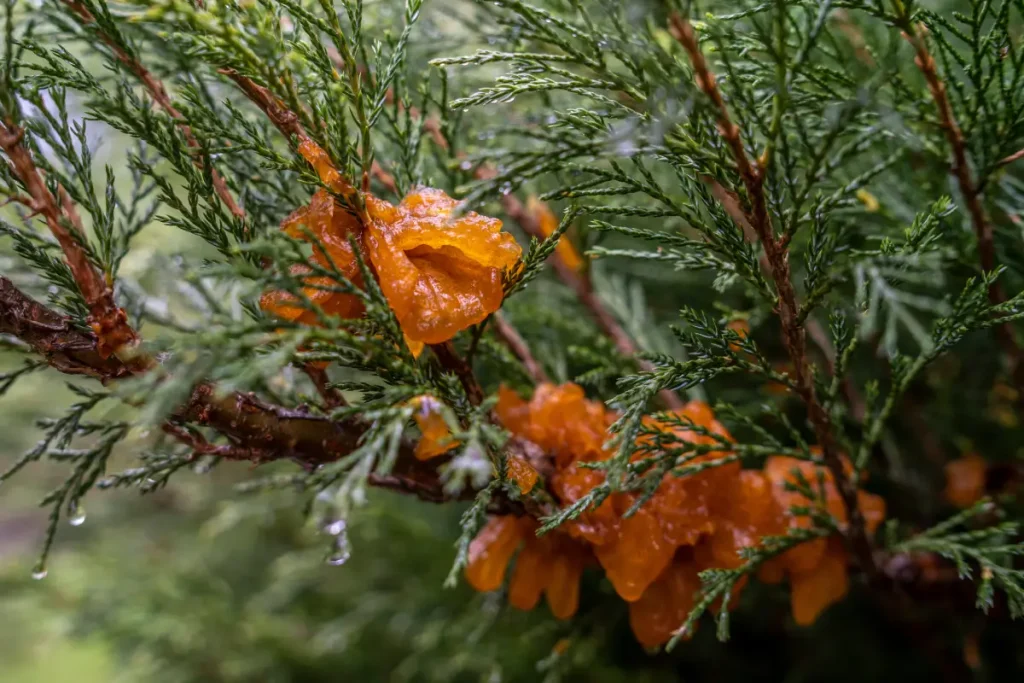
[962, 171]
[508, 334]
[777, 256]
[731, 203]
[159, 94]
[1012, 158]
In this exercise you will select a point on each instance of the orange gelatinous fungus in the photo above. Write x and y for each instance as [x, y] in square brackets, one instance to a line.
[513, 412]
[680, 513]
[318, 158]
[559, 419]
[440, 273]
[751, 514]
[965, 480]
[328, 226]
[491, 550]
[812, 591]
[549, 564]
[636, 556]
[664, 606]
[563, 589]
[522, 473]
[436, 438]
[547, 222]
[652, 554]
[742, 328]
[529, 578]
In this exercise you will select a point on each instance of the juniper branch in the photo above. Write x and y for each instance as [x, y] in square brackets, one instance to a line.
[108, 319]
[777, 254]
[258, 431]
[969, 188]
[159, 94]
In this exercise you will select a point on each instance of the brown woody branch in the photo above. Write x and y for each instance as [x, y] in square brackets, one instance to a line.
[284, 119]
[159, 94]
[258, 431]
[969, 188]
[777, 256]
[107, 319]
[52, 336]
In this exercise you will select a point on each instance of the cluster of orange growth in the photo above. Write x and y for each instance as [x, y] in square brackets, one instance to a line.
[652, 558]
[440, 273]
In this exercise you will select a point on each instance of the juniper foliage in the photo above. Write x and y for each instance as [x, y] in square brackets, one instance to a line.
[842, 175]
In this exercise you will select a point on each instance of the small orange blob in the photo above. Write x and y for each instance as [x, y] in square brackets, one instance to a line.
[548, 223]
[321, 162]
[965, 480]
[816, 568]
[436, 438]
[491, 550]
[814, 590]
[522, 473]
[664, 606]
[742, 328]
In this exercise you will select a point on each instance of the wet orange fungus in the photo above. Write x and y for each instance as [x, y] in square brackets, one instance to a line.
[435, 438]
[965, 480]
[548, 223]
[440, 272]
[652, 555]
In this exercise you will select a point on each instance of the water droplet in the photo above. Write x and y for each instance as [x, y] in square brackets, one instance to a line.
[336, 528]
[39, 573]
[77, 517]
[339, 558]
[342, 549]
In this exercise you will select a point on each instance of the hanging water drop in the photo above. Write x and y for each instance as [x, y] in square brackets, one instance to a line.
[342, 549]
[339, 558]
[77, 516]
[39, 573]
